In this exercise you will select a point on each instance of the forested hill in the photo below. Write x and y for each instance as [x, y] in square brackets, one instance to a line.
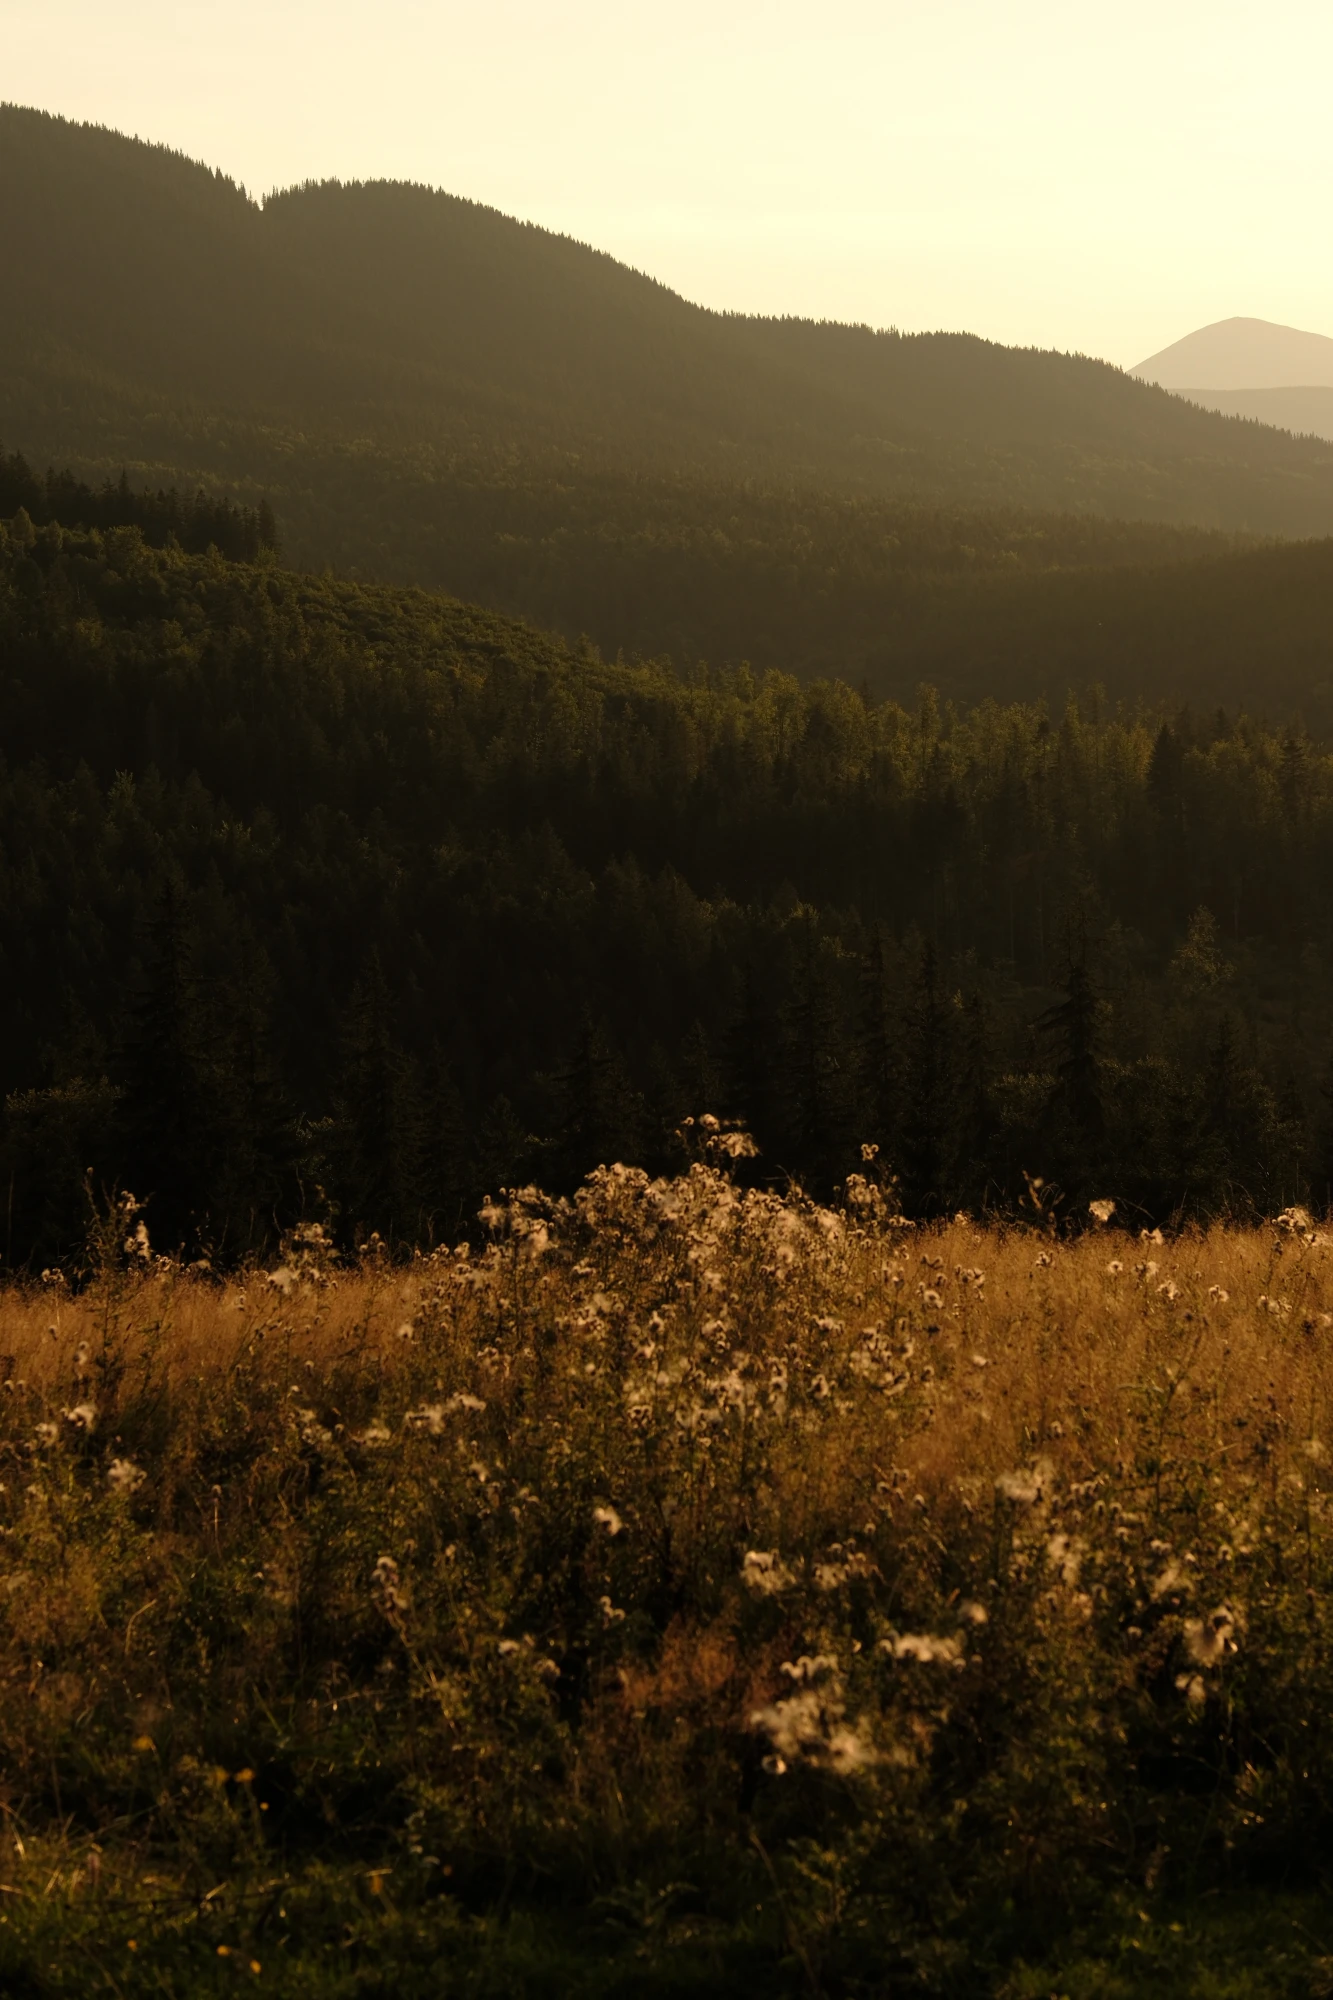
[428, 391]
[323, 898]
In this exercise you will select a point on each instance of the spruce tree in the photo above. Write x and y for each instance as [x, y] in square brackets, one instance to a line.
[173, 1112]
[369, 1142]
[927, 1140]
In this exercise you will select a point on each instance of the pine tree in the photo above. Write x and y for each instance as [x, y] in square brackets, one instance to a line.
[878, 1053]
[750, 1057]
[370, 1146]
[1074, 1024]
[173, 1103]
[812, 1073]
[602, 1116]
[436, 1165]
[927, 1140]
[259, 1191]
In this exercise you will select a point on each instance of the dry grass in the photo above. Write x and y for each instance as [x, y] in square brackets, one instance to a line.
[683, 1536]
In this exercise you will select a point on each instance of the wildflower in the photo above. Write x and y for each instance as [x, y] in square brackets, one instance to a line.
[430, 1418]
[1151, 1236]
[1193, 1688]
[1169, 1580]
[1277, 1307]
[611, 1613]
[973, 1613]
[607, 1517]
[375, 1435]
[137, 1244]
[1102, 1211]
[81, 1358]
[83, 1417]
[282, 1279]
[931, 1299]
[1042, 1261]
[1296, 1221]
[47, 1433]
[1219, 1294]
[809, 1723]
[1028, 1485]
[123, 1476]
[765, 1573]
[1169, 1291]
[1114, 1268]
[389, 1592]
[507, 1648]
[1065, 1555]
[922, 1647]
[1209, 1640]
[979, 1360]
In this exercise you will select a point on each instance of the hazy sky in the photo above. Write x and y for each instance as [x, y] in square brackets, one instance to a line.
[1082, 176]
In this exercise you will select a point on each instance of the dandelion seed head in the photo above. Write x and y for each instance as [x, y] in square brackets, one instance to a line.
[1210, 1640]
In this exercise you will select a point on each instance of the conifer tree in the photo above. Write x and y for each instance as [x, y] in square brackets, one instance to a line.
[173, 1108]
[370, 1151]
[259, 1192]
[878, 1054]
[927, 1141]
[812, 1076]
[749, 1056]
[602, 1118]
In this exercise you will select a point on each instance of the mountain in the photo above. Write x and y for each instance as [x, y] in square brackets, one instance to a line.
[1242, 354]
[1275, 375]
[354, 349]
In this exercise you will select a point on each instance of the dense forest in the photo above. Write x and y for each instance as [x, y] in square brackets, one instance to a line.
[330, 899]
[428, 392]
[197, 522]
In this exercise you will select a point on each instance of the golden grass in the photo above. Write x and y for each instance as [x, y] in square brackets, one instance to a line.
[676, 1520]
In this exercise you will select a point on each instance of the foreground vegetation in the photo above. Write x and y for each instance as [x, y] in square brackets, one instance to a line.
[690, 1591]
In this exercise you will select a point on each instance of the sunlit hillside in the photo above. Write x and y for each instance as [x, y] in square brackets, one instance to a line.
[429, 392]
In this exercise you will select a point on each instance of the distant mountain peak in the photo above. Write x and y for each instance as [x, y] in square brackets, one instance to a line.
[1242, 354]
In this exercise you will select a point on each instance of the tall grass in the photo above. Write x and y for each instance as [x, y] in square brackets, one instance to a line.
[697, 1581]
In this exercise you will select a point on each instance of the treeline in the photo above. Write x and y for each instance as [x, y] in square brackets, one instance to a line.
[196, 524]
[334, 899]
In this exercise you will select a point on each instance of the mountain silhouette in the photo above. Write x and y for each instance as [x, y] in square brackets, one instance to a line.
[1271, 374]
[1242, 354]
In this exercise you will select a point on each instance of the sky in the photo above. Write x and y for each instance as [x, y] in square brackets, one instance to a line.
[1044, 172]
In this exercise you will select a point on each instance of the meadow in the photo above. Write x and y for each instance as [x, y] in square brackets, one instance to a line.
[688, 1589]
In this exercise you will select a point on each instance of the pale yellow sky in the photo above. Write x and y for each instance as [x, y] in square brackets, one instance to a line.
[1092, 177]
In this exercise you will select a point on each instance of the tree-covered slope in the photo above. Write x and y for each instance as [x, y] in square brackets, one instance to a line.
[375, 357]
[317, 896]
